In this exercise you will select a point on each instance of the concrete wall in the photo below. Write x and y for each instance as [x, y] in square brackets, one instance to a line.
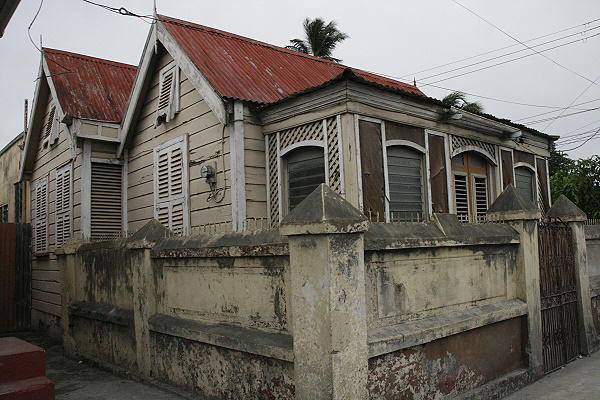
[592, 236]
[10, 159]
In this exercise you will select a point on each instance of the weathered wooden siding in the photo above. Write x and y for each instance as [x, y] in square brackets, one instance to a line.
[205, 134]
[256, 181]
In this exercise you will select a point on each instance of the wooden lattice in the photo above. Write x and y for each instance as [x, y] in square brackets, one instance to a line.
[312, 131]
[457, 142]
[333, 156]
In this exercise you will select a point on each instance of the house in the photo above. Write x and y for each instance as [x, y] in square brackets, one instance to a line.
[10, 189]
[222, 129]
[69, 162]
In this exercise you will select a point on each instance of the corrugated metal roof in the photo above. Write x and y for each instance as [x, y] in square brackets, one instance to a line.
[246, 69]
[89, 87]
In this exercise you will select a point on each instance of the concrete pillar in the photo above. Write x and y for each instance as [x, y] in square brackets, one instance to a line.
[511, 208]
[328, 297]
[67, 259]
[144, 289]
[564, 211]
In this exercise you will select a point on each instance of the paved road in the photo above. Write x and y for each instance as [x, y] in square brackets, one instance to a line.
[579, 380]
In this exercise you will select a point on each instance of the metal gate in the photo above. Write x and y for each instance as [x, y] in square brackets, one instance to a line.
[15, 276]
[558, 289]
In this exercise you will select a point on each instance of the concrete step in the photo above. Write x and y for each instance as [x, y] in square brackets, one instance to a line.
[20, 360]
[39, 388]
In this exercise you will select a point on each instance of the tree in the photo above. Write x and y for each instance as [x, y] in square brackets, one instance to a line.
[558, 161]
[320, 39]
[579, 180]
[459, 100]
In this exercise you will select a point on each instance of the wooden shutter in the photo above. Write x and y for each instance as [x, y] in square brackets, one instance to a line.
[525, 183]
[305, 171]
[506, 161]
[437, 173]
[170, 185]
[168, 93]
[40, 213]
[461, 197]
[544, 190]
[481, 197]
[405, 180]
[106, 201]
[50, 122]
[63, 196]
[371, 161]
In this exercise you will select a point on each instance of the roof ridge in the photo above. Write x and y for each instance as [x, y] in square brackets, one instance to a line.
[208, 29]
[90, 58]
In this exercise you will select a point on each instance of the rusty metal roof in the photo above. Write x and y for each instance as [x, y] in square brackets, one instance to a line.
[246, 69]
[88, 87]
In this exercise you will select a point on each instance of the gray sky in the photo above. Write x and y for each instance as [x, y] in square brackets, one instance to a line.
[395, 38]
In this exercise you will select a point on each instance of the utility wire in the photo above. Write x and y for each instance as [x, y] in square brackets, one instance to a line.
[562, 116]
[498, 49]
[522, 43]
[554, 111]
[587, 140]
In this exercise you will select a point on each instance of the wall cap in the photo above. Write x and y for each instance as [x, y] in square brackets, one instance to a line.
[510, 206]
[565, 210]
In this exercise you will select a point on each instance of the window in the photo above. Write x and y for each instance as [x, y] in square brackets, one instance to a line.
[170, 184]
[405, 180]
[525, 183]
[471, 186]
[63, 205]
[305, 171]
[106, 204]
[40, 216]
[168, 93]
[50, 122]
[4, 213]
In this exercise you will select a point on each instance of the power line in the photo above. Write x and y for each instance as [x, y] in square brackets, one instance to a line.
[498, 49]
[574, 138]
[550, 112]
[587, 140]
[511, 53]
[562, 116]
[121, 11]
[517, 40]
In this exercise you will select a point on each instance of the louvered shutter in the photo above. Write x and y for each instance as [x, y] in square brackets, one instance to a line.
[306, 171]
[168, 94]
[405, 184]
[40, 213]
[170, 182]
[481, 197]
[63, 196]
[461, 196]
[106, 201]
[50, 122]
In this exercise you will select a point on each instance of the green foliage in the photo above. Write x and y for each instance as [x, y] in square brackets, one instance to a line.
[558, 161]
[459, 100]
[320, 39]
[579, 180]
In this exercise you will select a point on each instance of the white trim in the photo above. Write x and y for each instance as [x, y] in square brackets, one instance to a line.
[338, 127]
[358, 163]
[124, 184]
[369, 119]
[303, 143]
[325, 150]
[526, 165]
[32, 113]
[464, 149]
[237, 167]
[386, 181]
[279, 177]
[198, 80]
[106, 161]
[427, 185]
[99, 138]
[548, 182]
[407, 143]
[86, 190]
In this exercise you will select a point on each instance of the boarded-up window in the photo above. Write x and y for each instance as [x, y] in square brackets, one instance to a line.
[507, 168]
[305, 171]
[405, 180]
[437, 173]
[544, 190]
[170, 184]
[396, 131]
[371, 158]
[40, 216]
[525, 183]
[168, 93]
[106, 190]
[63, 207]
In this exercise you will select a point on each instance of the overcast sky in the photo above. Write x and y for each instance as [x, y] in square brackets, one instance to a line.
[397, 38]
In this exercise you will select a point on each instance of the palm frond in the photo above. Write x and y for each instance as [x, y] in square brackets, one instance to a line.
[298, 45]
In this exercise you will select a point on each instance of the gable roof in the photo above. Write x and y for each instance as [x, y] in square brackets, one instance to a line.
[245, 69]
[89, 87]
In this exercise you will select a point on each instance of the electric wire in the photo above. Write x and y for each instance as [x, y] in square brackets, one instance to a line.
[550, 112]
[586, 141]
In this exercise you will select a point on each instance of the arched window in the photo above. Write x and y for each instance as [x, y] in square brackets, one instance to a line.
[471, 172]
[405, 183]
[525, 183]
[305, 170]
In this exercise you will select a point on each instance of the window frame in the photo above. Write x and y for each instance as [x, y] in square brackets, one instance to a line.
[534, 184]
[488, 172]
[303, 145]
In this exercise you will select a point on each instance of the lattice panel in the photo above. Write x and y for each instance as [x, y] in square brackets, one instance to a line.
[333, 159]
[458, 142]
[312, 131]
[273, 179]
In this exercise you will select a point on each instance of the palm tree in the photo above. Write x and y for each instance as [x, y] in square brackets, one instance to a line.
[320, 39]
[459, 100]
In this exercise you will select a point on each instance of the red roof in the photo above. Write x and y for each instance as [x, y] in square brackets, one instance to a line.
[89, 87]
[246, 69]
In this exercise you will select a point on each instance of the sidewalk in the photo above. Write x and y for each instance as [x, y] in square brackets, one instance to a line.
[579, 380]
[78, 380]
